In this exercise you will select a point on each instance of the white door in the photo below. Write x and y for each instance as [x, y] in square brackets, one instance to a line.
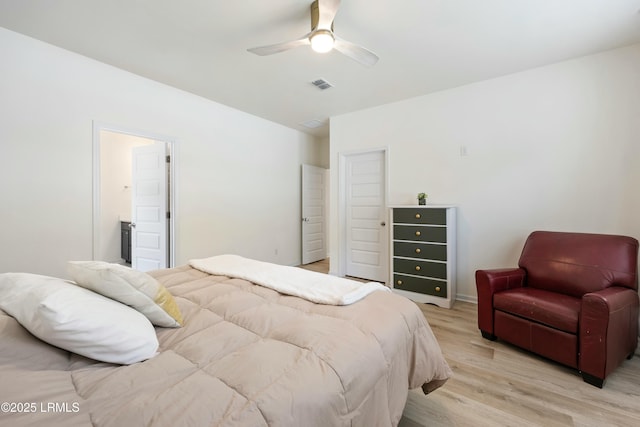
[366, 216]
[149, 207]
[314, 246]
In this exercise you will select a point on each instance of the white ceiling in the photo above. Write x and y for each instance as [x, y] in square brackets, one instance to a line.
[424, 45]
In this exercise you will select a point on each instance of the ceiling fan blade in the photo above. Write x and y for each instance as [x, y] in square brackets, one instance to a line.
[327, 10]
[355, 52]
[280, 47]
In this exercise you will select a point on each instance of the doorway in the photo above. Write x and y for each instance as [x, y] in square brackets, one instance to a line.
[363, 215]
[113, 190]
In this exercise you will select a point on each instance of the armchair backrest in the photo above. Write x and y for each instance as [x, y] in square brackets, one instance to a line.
[578, 263]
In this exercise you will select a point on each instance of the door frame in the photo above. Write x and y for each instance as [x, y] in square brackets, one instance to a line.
[342, 203]
[172, 188]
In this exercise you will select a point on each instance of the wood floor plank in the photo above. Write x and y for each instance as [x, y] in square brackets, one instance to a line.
[530, 388]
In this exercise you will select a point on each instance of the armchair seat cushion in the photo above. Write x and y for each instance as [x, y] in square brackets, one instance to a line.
[552, 309]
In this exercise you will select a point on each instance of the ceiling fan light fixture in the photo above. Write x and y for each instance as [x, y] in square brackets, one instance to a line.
[322, 41]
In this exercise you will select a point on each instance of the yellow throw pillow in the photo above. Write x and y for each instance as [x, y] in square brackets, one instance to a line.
[131, 287]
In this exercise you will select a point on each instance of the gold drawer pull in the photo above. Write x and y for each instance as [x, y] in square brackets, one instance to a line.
[418, 216]
[437, 288]
[418, 233]
[399, 282]
[417, 268]
[418, 250]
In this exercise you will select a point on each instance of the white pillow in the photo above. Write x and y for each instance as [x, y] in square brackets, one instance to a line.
[132, 287]
[76, 319]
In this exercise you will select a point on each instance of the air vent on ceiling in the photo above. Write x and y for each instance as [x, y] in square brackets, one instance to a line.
[313, 123]
[322, 84]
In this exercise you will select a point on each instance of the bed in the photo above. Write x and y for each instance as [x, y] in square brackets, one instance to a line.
[245, 355]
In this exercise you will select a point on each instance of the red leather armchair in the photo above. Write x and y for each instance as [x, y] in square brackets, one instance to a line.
[573, 299]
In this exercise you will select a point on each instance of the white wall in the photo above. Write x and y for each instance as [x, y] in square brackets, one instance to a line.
[238, 183]
[551, 148]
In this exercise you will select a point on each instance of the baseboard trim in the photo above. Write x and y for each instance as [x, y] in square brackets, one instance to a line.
[467, 298]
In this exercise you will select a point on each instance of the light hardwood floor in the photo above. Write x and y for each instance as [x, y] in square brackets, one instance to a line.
[496, 384]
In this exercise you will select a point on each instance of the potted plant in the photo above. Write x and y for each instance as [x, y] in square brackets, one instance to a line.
[422, 198]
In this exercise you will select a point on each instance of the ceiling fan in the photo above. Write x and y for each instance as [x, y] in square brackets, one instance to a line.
[322, 38]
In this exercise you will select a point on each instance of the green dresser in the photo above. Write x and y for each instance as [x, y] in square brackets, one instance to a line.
[423, 250]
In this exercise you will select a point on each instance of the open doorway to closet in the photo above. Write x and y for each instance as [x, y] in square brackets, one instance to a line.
[133, 198]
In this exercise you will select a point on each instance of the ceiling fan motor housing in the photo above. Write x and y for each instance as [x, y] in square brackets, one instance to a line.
[322, 39]
[315, 16]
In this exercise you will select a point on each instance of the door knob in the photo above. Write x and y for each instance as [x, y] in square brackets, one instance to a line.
[305, 219]
[133, 225]
[383, 223]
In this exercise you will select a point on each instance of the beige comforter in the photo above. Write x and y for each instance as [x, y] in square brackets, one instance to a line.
[246, 356]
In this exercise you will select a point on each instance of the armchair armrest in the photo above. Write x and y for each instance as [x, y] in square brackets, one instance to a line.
[608, 329]
[488, 282]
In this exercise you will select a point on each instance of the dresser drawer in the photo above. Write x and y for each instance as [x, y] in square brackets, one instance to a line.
[420, 216]
[420, 285]
[420, 233]
[420, 268]
[420, 250]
